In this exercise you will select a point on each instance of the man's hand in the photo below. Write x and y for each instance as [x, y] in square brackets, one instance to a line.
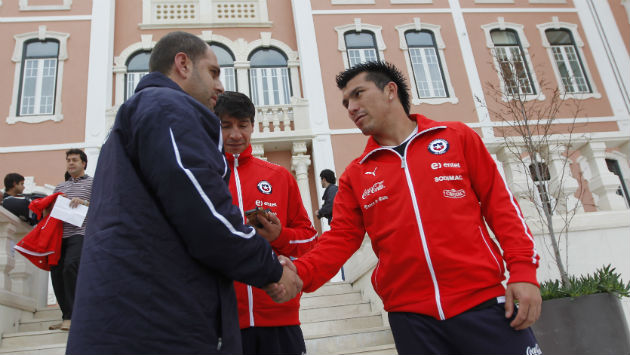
[268, 228]
[529, 304]
[289, 285]
[77, 201]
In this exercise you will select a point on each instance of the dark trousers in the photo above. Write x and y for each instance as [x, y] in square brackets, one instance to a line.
[483, 331]
[273, 340]
[64, 275]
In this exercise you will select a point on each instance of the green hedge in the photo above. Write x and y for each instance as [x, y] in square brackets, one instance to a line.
[602, 280]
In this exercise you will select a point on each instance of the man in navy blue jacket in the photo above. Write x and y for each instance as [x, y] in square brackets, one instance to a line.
[164, 242]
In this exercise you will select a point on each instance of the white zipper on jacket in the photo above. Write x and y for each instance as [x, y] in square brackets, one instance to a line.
[239, 193]
[416, 210]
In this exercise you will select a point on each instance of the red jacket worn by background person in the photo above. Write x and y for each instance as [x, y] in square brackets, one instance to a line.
[257, 183]
[426, 216]
[42, 245]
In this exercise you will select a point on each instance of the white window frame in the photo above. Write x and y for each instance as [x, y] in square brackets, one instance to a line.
[24, 6]
[242, 52]
[494, 1]
[579, 45]
[17, 57]
[547, 1]
[120, 65]
[358, 27]
[206, 14]
[435, 29]
[518, 28]
[352, 2]
[269, 77]
[411, 1]
[239, 51]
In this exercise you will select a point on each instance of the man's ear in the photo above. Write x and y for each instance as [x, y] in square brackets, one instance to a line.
[182, 65]
[391, 89]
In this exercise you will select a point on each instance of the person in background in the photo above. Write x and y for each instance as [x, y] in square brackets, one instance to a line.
[328, 183]
[14, 199]
[64, 275]
[266, 327]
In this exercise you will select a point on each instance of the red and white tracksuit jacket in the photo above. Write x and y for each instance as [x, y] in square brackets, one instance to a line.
[426, 216]
[257, 183]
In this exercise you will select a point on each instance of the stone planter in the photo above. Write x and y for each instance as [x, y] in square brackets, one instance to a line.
[593, 324]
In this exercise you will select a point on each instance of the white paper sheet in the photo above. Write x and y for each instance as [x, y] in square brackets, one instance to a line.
[64, 212]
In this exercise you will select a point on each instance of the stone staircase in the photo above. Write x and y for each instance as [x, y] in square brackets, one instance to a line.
[335, 320]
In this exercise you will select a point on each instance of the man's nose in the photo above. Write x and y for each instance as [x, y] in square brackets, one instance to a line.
[219, 87]
[352, 108]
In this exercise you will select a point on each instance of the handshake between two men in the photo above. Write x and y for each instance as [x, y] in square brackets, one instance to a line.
[268, 225]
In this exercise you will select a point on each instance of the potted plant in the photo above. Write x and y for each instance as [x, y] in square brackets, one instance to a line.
[585, 315]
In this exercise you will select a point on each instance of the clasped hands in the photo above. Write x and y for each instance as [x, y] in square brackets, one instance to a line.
[289, 285]
[268, 226]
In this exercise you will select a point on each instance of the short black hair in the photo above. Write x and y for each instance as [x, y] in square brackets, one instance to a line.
[235, 104]
[11, 180]
[163, 54]
[78, 152]
[380, 73]
[328, 175]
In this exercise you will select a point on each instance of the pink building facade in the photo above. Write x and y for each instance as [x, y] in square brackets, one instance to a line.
[69, 65]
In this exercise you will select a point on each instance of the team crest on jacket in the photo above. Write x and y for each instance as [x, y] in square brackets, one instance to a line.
[438, 146]
[264, 186]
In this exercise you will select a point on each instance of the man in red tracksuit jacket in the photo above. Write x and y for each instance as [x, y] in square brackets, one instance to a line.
[424, 192]
[266, 327]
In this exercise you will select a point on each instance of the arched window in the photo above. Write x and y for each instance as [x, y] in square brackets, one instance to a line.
[226, 62]
[622, 190]
[513, 66]
[568, 61]
[426, 64]
[269, 78]
[39, 77]
[137, 67]
[361, 47]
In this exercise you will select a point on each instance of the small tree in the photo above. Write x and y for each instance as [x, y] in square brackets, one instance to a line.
[540, 140]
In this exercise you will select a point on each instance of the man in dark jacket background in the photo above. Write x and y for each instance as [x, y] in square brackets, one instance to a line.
[164, 242]
[328, 183]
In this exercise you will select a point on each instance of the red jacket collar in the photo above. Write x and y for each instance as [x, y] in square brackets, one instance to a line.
[245, 155]
[423, 124]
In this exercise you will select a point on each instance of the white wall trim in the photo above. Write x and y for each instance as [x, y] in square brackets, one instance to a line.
[579, 44]
[359, 26]
[41, 148]
[417, 25]
[470, 64]
[445, 10]
[99, 89]
[38, 19]
[18, 51]
[24, 6]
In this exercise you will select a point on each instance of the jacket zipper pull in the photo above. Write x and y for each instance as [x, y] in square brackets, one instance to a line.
[236, 160]
[403, 162]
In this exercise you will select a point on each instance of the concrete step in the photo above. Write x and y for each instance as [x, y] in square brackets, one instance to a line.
[339, 325]
[48, 313]
[331, 288]
[318, 314]
[348, 341]
[29, 339]
[52, 349]
[389, 349]
[331, 300]
[37, 324]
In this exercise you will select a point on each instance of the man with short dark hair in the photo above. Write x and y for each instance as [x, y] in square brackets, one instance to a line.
[14, 199]
[266, 327]
[164, 242]
[78, 188]
[424, 191]
[328, 183]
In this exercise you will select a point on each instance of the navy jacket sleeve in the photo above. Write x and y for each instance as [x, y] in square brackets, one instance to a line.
[329, 198]
[176, 145]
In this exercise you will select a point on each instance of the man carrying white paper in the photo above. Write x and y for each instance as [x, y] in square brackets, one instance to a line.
[77, 188]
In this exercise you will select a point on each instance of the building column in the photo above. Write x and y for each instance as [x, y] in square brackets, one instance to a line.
[603, 183]
[300, 163]
[519, 183]
[312, 84]
[99, 90]
[242, 77]
[562, 185]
